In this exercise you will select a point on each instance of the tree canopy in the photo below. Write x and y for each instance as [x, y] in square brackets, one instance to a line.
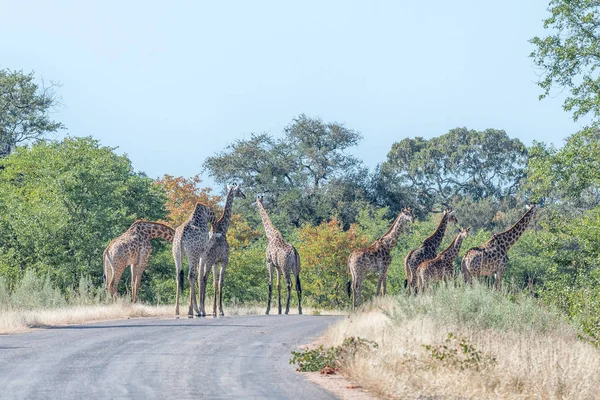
[306, 174]
[570, 55]
[24, 110]
[460, 164]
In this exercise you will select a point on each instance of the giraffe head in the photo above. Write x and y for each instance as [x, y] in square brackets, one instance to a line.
[236, 190]
[464, 232]
[407, 215]
[259, 199]
[451, 215]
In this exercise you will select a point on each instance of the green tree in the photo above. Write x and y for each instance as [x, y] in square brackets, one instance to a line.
[306, 174]
[463, 163]
[24, 110]
[570, 55]
[62, 202]
[571, 174]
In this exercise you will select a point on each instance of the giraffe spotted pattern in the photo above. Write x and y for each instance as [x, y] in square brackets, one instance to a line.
[281, 257]
[427, 250]
[132, 248]
[491, 258]
[375, 258]
[440, 267]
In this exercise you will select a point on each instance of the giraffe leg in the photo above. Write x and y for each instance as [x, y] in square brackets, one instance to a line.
[116, 278]
[288, 285]
[202, 278]
[278, 291]
[384, 285]
[224, 263]
[137, 271]
[498, 278]
[270, 269]
[134, 282]
[193, 272]
[215, 289]
[299, 291]
[358, 292]
[178, 274]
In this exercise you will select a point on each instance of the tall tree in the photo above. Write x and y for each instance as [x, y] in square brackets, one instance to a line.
[570, 55]
[460, 164]
[24, 110]
[303, 173]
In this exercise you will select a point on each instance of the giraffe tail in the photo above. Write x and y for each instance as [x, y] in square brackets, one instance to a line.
[107, 267]
[349, 287]
[181, 280]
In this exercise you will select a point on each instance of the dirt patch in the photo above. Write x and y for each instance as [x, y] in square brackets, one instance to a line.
[339, 386]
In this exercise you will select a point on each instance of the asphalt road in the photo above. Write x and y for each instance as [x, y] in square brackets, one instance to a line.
[224, 358]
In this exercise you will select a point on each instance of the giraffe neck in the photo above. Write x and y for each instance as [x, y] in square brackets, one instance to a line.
[390, 238]
[434, 241]
[511, 236]
[154, 230]
[222, 225]
[270, 229]
[452, 251]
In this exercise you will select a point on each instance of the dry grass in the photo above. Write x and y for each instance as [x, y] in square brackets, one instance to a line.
[540, 358]
[15, 320]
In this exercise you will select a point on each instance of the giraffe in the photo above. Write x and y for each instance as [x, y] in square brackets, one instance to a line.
[132, 248]
[193, 239]
[442, 266]
[282, 257]
[218, 253]
[427, 250]
[375, 258]
[491, 257]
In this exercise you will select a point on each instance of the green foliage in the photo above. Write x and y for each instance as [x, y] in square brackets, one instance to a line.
[35, 292]
[61, 203]
[458, 352]
[571, 174]
[315, 359]
[479, 307]
[330, 359]
[569, 56]
[324, 252]
[462, 163]
[306, 175]
[578, 296]
[25, 110]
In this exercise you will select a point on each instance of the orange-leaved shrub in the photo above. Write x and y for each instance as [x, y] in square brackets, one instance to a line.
[324, 250]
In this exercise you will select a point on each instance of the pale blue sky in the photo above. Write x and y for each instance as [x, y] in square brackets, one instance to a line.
[171, 83]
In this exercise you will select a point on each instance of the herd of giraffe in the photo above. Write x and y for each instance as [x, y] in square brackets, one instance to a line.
[202, 238]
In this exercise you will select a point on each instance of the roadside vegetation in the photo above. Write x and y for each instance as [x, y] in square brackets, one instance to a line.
[459, 342]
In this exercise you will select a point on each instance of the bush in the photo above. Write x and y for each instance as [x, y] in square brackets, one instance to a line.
[36, 292]
[478, 307]
[330, 359]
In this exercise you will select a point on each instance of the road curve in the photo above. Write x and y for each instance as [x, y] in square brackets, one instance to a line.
[224, 358]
